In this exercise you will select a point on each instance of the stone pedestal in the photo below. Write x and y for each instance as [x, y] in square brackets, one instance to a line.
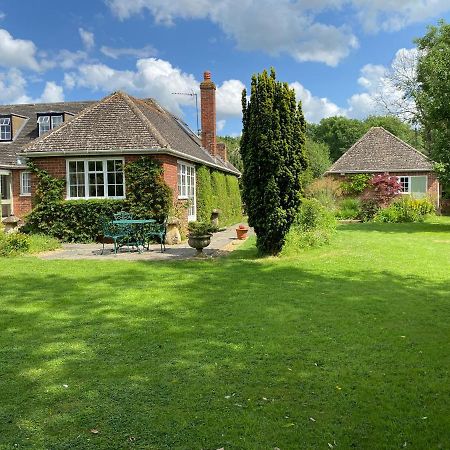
[215, 217]
[173, 235]
[11, 224]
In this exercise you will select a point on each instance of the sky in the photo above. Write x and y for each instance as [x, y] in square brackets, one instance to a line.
[334, 53]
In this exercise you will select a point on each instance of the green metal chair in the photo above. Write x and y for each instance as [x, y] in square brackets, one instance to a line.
[114, 232]
[157, 230]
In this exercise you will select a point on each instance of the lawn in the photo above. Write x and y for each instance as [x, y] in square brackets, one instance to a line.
[346, 346]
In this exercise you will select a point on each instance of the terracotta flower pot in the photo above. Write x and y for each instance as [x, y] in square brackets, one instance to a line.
[241, 232]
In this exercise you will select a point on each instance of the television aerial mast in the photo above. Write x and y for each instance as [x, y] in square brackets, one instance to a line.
[195, 95]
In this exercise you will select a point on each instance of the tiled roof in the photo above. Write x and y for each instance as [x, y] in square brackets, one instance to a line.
[10, 150]
[380, 151]
[122, 123]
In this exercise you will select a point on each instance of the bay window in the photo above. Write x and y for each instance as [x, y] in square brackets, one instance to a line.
[95, 178]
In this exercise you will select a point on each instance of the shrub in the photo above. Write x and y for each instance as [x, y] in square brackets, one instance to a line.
[148, 196]
[313, 227]
[13, 244]
[369, 207]
[356, 184]
[382, 189]
[326, 191]
[201, 228]
[405, 209]
[349, 208]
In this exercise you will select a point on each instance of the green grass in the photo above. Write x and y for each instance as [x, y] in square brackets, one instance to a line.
[41, 243]
[346, 345]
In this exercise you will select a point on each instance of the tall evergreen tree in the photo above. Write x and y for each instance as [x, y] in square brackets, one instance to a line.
[272, 149]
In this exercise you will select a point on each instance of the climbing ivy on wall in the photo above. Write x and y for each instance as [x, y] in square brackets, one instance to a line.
[148, 196]
[217, 190]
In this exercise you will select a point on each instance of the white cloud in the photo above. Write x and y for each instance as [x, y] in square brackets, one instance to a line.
[158, 79]
[2, 15]
[13, 87]
[17, 53]
[153, 77]
[390, 15]
[53, 93]
[229, 98]
[13, 90]
[315, 108]
[274, 26]
[221, 125]
[87, 38]
[115, 53]
[293, 27]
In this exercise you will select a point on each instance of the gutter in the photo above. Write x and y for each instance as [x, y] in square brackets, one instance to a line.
[344, 172]
[145, 151]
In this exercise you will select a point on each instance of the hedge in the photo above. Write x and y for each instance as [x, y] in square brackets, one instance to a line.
[217, 190]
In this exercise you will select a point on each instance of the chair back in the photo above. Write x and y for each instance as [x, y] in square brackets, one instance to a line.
[123, 215]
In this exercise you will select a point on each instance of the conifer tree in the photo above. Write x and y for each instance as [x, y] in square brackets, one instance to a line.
[273, 155]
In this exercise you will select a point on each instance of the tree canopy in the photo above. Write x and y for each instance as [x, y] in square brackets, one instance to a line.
[433, 95]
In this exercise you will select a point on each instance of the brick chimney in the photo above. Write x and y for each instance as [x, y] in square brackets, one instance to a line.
[221, 150]
[208, 113]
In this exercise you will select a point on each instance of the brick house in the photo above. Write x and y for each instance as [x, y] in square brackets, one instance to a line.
[87, 143]
[380, 152]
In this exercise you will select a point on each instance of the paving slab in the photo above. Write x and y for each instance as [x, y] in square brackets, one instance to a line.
[222, 243]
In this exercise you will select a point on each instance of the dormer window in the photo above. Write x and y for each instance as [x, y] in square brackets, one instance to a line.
[5, 128]
[48, 122]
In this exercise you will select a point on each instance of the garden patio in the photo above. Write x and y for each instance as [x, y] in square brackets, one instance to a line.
[344, 346]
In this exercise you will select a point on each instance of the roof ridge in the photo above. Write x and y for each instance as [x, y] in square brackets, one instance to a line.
[131, 101]
[65, 124]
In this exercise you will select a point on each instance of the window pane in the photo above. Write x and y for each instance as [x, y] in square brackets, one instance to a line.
[119, 190]
[56, 120]
[419, 186]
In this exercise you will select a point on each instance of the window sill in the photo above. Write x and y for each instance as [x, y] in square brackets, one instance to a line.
[24, 195]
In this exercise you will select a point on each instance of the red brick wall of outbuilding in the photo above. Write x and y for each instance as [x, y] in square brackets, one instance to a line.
[433, 188]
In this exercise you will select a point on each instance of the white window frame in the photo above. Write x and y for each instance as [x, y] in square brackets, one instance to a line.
[25, 182]
[409, 192]
[192, 214]
[86, 178]
[409, 184]
[8, 202]
[5, 122]
[48, 119]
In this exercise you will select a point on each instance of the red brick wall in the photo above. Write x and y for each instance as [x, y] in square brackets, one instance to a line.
[21, 204]
[56, 166]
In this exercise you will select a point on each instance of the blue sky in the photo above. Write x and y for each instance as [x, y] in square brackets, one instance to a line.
[334, 53]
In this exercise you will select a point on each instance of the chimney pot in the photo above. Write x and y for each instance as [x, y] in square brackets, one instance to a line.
[207, 75]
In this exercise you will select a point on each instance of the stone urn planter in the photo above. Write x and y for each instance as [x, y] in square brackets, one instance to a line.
[199, 243]
[200, 236]
[242, 232]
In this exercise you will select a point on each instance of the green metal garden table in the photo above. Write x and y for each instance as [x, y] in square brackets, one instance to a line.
[135, 230]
